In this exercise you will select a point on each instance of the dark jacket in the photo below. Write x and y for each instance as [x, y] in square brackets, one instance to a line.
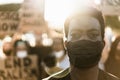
[65, 75]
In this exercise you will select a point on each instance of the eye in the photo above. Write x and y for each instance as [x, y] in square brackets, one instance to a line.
[93, 35]
[75, 36]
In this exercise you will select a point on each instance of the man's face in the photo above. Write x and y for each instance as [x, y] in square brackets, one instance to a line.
[84, 28]
[84, 42]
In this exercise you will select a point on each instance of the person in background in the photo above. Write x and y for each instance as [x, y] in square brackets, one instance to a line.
[112, 64]
[60, 54]
[84, 33]
[21, 48]
[7, 49]
[41, 52]
[50, 64]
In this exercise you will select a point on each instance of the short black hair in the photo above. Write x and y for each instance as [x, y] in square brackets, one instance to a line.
[86, 11]
[21, 41]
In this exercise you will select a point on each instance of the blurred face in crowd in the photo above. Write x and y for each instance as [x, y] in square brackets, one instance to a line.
[118, 46]
[21, 49]
[117, 53]
[7, 48]
[84, 42]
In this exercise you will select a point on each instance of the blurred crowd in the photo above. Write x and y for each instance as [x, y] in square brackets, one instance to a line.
[51, 59]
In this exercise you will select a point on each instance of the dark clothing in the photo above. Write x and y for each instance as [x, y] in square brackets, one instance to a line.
[113, 66]
[41, 52]
[65, 75]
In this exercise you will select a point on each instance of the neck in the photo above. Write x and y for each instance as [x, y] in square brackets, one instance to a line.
[84, 74]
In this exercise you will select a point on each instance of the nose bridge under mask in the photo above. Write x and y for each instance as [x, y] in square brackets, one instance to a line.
[84, 36]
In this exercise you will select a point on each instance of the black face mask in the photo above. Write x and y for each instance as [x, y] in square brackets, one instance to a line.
[84, 54]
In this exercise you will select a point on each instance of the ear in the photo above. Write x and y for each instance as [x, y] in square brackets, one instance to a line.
[65, 43]
[104, 42]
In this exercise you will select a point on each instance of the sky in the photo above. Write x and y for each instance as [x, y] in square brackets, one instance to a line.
[10, 1]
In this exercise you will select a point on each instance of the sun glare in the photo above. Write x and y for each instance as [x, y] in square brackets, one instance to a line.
[56, 11]
[10, 1]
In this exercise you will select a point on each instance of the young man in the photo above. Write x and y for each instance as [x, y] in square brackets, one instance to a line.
[84, 31]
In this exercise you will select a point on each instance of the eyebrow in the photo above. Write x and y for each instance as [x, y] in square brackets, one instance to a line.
[75, 30]
[93, 30]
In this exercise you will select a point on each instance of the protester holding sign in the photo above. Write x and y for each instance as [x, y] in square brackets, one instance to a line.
[7, 48]
[21, 48]
[22, 65]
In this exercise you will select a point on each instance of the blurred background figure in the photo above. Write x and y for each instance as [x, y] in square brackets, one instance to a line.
[112, 64]
[60, 54]
[7, 49]
[50, 65]
[21, 48]
[42, 52]
[109, 37]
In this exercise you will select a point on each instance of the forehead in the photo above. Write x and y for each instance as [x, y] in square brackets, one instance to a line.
[84, 23]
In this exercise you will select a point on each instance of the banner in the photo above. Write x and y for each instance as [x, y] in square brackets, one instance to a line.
[13, 68]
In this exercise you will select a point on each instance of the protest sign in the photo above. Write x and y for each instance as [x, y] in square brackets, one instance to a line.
[9, 21]
[14, 68]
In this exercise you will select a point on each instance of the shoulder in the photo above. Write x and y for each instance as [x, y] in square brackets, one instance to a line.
[106, 76]
[59, 75]
[64, 75]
